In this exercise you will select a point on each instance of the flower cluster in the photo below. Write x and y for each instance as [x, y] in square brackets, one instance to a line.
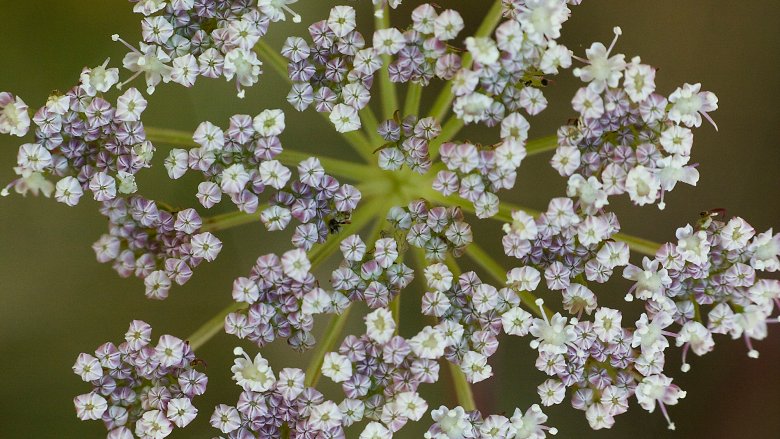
[282, 297]
[628, 139]
[459, 423]
[140, 390]
[187, 39]
[564, 243]
[407, 143]
[81, 139]
[470, 313]
[380, 373]
[438, 230]
[157, 245]
[372, 275]
[268, 404]
[336, 72]
[422, 52]
[708, 282]
[241, 163]
[508, 72]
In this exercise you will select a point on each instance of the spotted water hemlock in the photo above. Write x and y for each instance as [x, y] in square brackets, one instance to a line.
[412, 206]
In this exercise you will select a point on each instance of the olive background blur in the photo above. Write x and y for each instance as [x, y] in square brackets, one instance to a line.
[57, 301]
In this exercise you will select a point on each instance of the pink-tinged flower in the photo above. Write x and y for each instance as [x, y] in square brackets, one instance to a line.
[14, 118]
[690, 104]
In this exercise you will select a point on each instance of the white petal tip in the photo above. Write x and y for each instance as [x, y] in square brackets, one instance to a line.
[753, 353]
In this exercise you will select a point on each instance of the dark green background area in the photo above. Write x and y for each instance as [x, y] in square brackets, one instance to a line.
[56, 301]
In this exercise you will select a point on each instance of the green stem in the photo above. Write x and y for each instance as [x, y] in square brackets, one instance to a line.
[356, 140]
[370, 125]
[327, 344]
[443, 102]
[228, 220]
[462, 388]
[541, 145]
[213, 326]
[169, 136]
[413, 98]
[386, 86]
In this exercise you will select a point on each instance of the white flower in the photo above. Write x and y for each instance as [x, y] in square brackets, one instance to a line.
[649, 333]
[206, 245]
[736, 234]
[127, 184]
[555, 57]
[153, 424]
[234, 178]
[316, 301]
[566, 160]
[150, 60]
[673, 169]
[515, 127]
[766, 249]
[274, 174]
[88, 367]
[472, 107]
[690, 104]
[429, 343]
[578, 298]
[68, 191]
[342, 20]
[658, 389]
[543, 19]
[130, 105]
[588, 103]
[516, 321]
[497, 427]
[169, 351]
[269, 123]
[33, 157]
[474, 366]
[244, 66]
[677, 140]
[252, 375]
[698, 337]
[448, 25]
[99, 79]
[325, 416]
[485, 298]
[642, 185]
[295, 264]
[411, 405]
[209, 136]
[337, 367]
[388, 41]
[453, 423]
[483, 50]
[523, 278]
[693, 245]
[523, 225]
[290, 383]
[651, 280]
[275, 9]
[438, 277]
[590, 192]
[225, 418]
[90, 406]
[345, 118]
[553, 334]
[185, 70]
[639, 81]
[176, 163]
[181, 411]
[551, 392]
[607, 324]
[103, 186]
[375, 430]
[532, 100]
[380, 325]
[530, 425]
[602, 71]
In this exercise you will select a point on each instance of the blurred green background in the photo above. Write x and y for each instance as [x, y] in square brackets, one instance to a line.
[56, 301]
